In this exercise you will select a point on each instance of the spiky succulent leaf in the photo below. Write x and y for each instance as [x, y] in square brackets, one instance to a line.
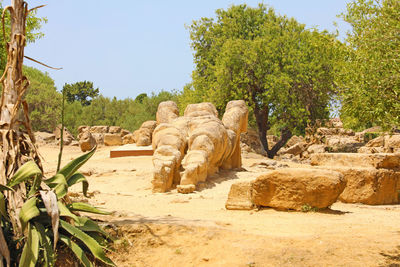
[80, 254]
[45, 244]
[70, 169]
[30, 251]
[79, 178]
[24, 173]
[28, 211]
[80, 206]
[92, 244]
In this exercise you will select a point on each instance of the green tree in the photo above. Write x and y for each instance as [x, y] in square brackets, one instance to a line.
[83, 92]
[43, 99]
[284, 71]
[371, 71]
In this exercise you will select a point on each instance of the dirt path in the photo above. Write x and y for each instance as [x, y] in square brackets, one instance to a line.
[172, 229]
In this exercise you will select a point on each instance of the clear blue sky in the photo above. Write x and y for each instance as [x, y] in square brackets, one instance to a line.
[128, 47]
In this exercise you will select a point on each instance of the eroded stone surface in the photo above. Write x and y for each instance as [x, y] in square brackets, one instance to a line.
[295, 188]
[190, 148]
[378, 160]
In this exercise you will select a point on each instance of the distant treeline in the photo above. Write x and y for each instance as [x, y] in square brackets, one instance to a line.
[45, 107]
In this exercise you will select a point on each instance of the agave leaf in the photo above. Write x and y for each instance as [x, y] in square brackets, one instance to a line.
[79, 178]
[45, 243]
[25, 172]
[30, 251]
[92, 244]
[65, 212]
[59, 184]
[50, 202]
[3, 211]
[28, 211]
[99, 239]
[36, 185]
[80, 206]
[4, 188]
[88, 225]
[5, 252]
[80, 254]
[69, 169]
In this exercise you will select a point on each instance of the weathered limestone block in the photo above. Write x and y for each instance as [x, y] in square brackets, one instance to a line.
[67, 136]
[316, 149]
[99, 129]
[167, 112]
[240, 196]
[112, 139]
[99, 137]
[376, 142]
[128, 139]
[114, 129]
[294, 140]
[392, 142]
[83, 128]
[296, 149]
[370, 186]
[124, 132]
[378, 160]
[293, 188]
[144, 134]
[87, 141]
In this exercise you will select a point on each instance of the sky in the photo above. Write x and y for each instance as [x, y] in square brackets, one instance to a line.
[129, 47]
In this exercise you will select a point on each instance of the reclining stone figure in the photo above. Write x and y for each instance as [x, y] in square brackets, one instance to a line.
[188, 149]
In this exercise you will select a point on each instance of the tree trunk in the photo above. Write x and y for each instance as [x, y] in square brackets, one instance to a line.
[16, 147]
[263, 126]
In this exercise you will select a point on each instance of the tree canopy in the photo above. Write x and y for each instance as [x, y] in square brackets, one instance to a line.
[83, 92]
[284, 71]
[371, 71]
[43, 99]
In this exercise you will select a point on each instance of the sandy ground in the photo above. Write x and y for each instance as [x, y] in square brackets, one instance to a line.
[172, 229]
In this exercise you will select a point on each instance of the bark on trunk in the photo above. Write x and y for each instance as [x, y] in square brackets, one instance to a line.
[16, 148]
[263, 127]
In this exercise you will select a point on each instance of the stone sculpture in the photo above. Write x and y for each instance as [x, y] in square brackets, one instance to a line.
[188, 149]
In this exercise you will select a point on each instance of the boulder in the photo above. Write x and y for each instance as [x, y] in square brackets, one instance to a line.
[293, 141]
[392, 142]
[112, 139]
[370, 186]
[83, 128]
[124, 132]
[378, 160]
[327, 131]
[87, 141]
[296, 149]
[99, 129]
[67, 136]
[293, 188]
[316, 149]
[99, 137]
[240, 196]
[128, 139]
[114, 129]
[376, 142]
[167, 111]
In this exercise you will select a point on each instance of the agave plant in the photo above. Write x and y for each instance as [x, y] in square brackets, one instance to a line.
[49, 217]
